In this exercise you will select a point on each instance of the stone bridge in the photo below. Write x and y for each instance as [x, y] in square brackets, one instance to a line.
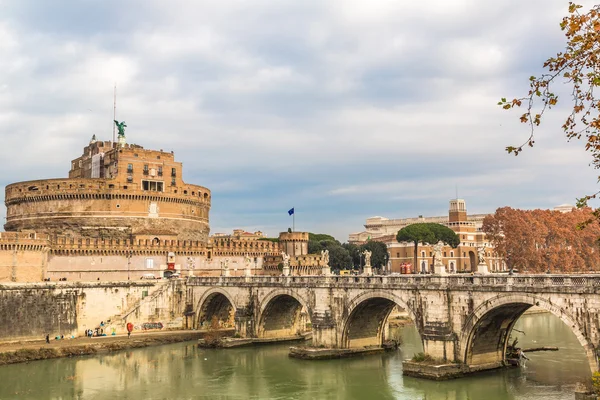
[461, 318]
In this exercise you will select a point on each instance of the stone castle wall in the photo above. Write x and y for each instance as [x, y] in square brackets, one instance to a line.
[24, 257]
[30, 311]
[106, 208]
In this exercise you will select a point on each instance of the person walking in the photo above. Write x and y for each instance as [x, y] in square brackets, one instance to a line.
[129, 329]
[47, 338]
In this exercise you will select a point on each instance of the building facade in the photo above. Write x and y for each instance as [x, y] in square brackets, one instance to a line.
[464, 258]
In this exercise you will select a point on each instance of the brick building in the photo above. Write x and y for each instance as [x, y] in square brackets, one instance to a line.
[461, 259]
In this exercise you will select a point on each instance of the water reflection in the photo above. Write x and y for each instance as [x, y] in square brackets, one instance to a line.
[183, 371]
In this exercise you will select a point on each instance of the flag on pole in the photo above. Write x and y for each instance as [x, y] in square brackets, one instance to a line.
[291, 211]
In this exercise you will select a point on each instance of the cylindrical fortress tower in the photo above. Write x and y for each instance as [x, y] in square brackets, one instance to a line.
[113, 192]
[294, 244]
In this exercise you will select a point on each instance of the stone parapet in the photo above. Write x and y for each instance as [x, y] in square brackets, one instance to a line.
[495, 282]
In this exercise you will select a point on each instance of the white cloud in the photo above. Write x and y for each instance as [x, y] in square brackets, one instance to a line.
[344, 108]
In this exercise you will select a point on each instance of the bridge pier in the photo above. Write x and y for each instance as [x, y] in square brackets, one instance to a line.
[439, 341]
[324, 329]
[244, 323]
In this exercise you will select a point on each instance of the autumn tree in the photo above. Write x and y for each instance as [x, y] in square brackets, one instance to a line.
[537, 241]
[578, 66]
[427, 233]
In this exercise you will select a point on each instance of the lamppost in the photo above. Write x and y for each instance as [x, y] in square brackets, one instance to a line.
[386, 267]
[360, 261]
[128, 264]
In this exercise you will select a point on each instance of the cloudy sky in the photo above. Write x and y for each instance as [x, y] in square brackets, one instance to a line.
[343, 109]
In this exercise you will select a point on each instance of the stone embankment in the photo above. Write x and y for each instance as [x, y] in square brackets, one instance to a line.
[17, 352]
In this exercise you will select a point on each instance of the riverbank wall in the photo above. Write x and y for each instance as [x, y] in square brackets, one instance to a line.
[34, 310]
[32, 351]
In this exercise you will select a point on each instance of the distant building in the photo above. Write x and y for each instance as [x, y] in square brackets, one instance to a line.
[462, 259]
[564, 208]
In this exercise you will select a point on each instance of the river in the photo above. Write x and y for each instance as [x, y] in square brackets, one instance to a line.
[182, 371]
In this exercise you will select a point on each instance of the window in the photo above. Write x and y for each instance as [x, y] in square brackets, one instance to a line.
[173, 183]
[160, 170]
[444, 254]
[173, 172]
[129, 179]
[145, 169]
[397, 255]
[452, 254]
[129, 168]
[149, 263]
[152, 186]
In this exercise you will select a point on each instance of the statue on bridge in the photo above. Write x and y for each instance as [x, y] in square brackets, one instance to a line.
[324, 258]
[437, 254]
[286, 263]
[247, 263]
[367, 255]
[225, 267]
[286, 259]
[481, 255]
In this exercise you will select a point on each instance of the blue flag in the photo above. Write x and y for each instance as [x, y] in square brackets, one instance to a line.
[291, 211]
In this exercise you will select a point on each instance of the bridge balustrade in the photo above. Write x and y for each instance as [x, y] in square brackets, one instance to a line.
[457, 281]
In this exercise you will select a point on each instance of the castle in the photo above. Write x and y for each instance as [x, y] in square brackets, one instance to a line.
[123, 213]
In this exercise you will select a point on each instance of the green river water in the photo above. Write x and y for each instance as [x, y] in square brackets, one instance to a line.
[182, 371]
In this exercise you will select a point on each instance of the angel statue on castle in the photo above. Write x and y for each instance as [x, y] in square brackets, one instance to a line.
[121, 127]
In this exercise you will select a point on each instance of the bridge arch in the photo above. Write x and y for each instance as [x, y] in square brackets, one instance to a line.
[484, 336]
[283, 313]
[367, 313]
[216, 302]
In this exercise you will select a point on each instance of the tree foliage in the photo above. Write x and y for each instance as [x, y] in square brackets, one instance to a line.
[536, 241]
[354, 252]
[319, 237]
[339, 257]
[578, 66]
[427, 233]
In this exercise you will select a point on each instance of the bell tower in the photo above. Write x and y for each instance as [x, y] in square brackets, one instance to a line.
[458, 211]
